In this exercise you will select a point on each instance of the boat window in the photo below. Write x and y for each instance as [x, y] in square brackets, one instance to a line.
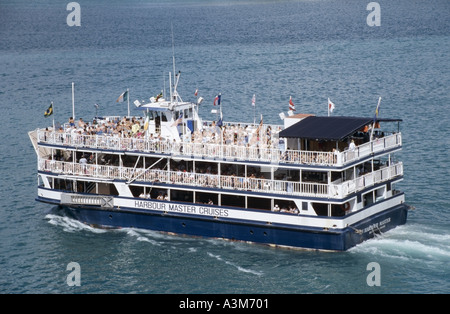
[232, 169]
[63, 185]
[137, 190]
[321, 209]
[314, 176]
[206, 198]
[258, 203]
[286, 205]
[182, 196]
[358, 198]
[233, 200]
[338, 210]
[157, 194]
[107, 189]
[40, 181]
[380, 194]
[304, 205]
[368, 199]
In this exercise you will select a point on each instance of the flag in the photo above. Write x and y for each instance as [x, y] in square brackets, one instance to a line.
[330, 105]
[158, 96]
[122, 97]
[217, 100]
[196, 92]
[291, 104]
[178, 121]
[377, 111]
[254, 100]
[49, 111]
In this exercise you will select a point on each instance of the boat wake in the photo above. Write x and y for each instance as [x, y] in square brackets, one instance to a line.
[242, 269]
[143, 236]
[71, 225]
[410, 242]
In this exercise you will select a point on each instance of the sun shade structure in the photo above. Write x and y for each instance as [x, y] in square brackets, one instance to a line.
[325, 128]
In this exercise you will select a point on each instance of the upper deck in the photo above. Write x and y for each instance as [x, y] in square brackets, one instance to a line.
[234, 142]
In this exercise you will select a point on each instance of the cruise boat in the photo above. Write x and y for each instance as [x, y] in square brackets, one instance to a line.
[312, 182]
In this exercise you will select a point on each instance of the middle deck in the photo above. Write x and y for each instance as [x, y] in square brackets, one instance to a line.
[215, 151]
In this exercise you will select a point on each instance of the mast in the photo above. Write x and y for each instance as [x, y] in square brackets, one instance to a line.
[173, 52]
[375, 118]
[73, 101]
[128, 100]
[173, 94]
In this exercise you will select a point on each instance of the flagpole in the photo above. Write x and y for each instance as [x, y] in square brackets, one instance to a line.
[375, 118]
[328, 106]
[254, 108]
[128, 99]
[53, 111]
[73, 101]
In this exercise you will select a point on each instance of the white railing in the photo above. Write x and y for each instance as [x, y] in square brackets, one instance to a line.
[232, 152]
[223, 182]
[375, 146]
[367, 180]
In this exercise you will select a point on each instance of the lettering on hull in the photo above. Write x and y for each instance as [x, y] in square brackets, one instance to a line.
[182, 208]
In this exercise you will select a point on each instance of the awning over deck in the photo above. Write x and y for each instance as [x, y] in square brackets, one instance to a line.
[325, 128]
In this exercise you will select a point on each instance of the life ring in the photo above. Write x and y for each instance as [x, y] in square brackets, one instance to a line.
[345, 207]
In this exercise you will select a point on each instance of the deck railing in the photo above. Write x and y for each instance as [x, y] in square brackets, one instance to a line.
[308, 189]
[231, 152]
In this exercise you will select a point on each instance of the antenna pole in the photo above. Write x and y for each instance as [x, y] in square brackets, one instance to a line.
[170, 86]
[73, 101]
[375, 119]
[128, 100]
[164, 84]
[173, 52]
[53, 110]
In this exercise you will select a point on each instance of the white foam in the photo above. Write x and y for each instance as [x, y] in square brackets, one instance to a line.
[71, 225]
[413, 242]
[245, 270]
[138, 234]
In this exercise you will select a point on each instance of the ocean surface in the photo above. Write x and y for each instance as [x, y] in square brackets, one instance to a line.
[311, 50]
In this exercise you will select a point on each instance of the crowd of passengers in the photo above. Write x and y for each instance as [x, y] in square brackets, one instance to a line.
[237, 134]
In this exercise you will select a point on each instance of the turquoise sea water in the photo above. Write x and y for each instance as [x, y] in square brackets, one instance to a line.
[310, 50]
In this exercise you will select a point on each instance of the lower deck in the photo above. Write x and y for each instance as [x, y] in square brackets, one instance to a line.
[279, 229]
[223, 211]
[264, 200]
